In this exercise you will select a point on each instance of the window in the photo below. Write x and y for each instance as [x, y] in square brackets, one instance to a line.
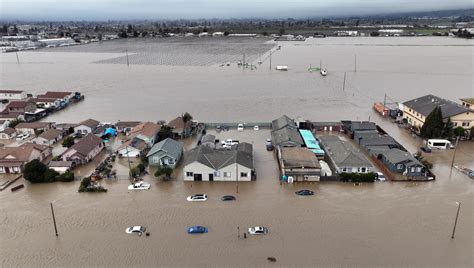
[227, 174]
[170, 161]
[243, 174]
[465, 124]
[455, 124]
[363, 169]
[344, 170]
[399, 166]
[189, 174]
[217, 173]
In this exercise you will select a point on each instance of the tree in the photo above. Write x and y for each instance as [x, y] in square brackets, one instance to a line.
[164, 170]
[265, 33]
[68, 142]
[135, 34]
[433, 126]
[187, 117]
[129, 28]
[459, 131]
[282, 31]
[448, 130]
[15, 122]
[34, 171]
[70, 130]
[165, 132]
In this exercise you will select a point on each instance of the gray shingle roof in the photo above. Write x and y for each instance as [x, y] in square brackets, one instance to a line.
[287, 135]
[378, 140]
[343, 153]
[396, 156]
[208, 138]
[282, 122]
[169, 146]
[85, 145]
[217, 159]
[426, 104]
[363, 125]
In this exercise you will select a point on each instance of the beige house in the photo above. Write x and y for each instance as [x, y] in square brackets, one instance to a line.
[12, 159]
[415, 111]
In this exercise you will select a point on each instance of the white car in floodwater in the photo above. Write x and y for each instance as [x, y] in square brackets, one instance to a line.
[139, 186]
[197, 198]
[135, 230]
[258, 230]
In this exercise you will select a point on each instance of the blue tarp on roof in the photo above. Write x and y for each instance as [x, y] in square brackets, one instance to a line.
[309, 139]
[110, 131]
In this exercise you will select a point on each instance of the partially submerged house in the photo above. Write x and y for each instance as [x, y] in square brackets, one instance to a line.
[209, 141]
[33, 127]
[132, 148]
[180, 128]
[49, 137]
[206, 164]
[299, 163]
[13, 159]
[344, 157]
[399, 161]
[87, 126]
[142, 137]
[86, 149]
[7, 134]
[61, 166]
[165, 153]
[126, 126]
[285, 133]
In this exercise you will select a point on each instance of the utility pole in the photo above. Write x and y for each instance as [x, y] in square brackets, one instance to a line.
[129, 166]
[270, 60]
[456, 220]
[126, 51]
[384, 100]
[344, 83]
[355, 63]
[54, 219]
[454, 154]
[17, 59]
[237, 174]
[320, 65]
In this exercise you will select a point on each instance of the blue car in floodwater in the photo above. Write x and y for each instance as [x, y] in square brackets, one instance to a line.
[197, 230]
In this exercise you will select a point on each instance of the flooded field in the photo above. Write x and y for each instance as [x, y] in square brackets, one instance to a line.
[380, 224]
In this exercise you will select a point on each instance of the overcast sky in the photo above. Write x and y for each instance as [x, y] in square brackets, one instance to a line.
[192, 9]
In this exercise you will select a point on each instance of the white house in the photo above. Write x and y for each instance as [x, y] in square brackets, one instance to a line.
[86, 127]
[207, 164]
[12, 94]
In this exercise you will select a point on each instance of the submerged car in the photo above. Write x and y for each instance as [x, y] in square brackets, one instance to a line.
[139, 186]
[258, 230]
[135, 230]
[197, 230]
[197, 198]
[304, 192]
[379, 176]
[228, 198]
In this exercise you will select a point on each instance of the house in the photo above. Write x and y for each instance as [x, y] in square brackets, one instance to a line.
[399, 161]
[7, 134]
[209, 141]
[206, 164]
[132, 148]
[46, 103]
[66, 127]
[287, 137]
[468, 103]
[13, 159]
[299, 163]
[12, 94]
[325, 126]
[84, 150]
[61, 166]
[20, 107]
[126, 126]
[180, 128]
[146, 131]
[87, 126]
[33, 127]
[62, 96]
[283, 122]
[49, 137]
[415, 111]
[372, 139]
[343, 156]
[165, 153]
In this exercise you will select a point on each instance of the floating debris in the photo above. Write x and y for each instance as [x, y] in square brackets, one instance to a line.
[271, 259]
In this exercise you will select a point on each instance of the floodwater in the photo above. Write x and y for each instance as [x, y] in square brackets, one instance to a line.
[381, 224]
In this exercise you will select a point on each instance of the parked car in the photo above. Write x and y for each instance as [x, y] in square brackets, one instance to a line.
[240, 127]
[230, 142]
[228, 198]
[135, 230]
[258, 230]
[304, 192]
[379, 176]
[139, 186]
[20, 137]
[426, 149]
[197, 198]
[256, 128]
[197, 230]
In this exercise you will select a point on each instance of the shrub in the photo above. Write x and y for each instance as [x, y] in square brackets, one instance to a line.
[50, 175]
[86, 186]
[66, 176]
[34, 171]
[164, 170]
[357, 177]
[68, 142]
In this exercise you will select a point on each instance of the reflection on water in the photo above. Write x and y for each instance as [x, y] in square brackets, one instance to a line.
[381, 224]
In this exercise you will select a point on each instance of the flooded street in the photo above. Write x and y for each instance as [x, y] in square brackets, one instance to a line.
[382, 224]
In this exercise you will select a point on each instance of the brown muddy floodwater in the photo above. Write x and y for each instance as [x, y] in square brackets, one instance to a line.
[379, 225]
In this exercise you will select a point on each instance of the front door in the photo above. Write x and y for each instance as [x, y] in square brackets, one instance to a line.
[7, 170]
[211, 177]
[197, 177]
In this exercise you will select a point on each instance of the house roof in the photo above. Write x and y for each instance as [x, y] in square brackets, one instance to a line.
[217, 159]
[208, 138]
[468, 100]
[21, 153]
[65, 125]
[90, 123]
[127, 123]
[282, 122]
[50, 134]
[396, 156]
[85, 145]
[169, 146]
[11, 91]
[426, 104]
[287, 134]
[50, 100]
[363, 125]
[60, 164]
[9, 131]
[178, 123]
[296, 157]
[19, 104]
[343, 153]
[134, 142]
[378, 140]
[33, 125]
[147, 129]
[55, 94]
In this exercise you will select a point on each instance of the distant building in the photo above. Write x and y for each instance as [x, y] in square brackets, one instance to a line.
[416, 110]
[86, 149]
[12, 94]
[13, 159]
[205, 164]
[54, 42]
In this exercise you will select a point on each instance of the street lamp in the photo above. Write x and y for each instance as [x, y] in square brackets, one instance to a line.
[456, 220]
